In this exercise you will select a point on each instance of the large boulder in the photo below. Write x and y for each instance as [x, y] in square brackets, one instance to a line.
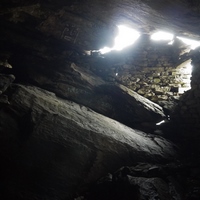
[108, 98]
[50, 147]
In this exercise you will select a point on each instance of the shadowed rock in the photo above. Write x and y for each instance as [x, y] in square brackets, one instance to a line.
[5, 81]
[110, 99]
[51, 147]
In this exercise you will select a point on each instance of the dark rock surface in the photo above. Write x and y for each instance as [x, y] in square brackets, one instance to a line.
[5, 81]
[50, 147]
[185, 117]
[72, 21]
[110, 99]
[148, 181]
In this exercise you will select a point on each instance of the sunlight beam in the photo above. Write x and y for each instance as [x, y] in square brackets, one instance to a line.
[126, 37]
[161, 35]
[192, 43]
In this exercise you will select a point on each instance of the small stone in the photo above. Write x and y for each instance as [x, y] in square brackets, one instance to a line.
[141, 91]
[156, 80]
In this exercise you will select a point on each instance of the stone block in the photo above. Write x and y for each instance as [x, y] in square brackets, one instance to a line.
[156, 80]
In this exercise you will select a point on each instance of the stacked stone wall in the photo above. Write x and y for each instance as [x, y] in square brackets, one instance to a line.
[186, 115]
[156, 72]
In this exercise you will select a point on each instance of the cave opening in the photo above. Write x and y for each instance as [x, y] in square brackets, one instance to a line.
[126, 36]
[161, 35]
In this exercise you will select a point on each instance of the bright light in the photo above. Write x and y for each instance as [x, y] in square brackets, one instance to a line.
[126, 37]
[193, 43]
[188, 69]
[171, 42]
[105, 50]
[161, 35]
[161, 122]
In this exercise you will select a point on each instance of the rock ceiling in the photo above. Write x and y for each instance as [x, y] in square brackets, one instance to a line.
[92, 24]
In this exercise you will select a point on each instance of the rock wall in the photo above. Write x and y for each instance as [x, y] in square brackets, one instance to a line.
[110, 99]
[156, 72]
[186, 115]
[154, 69]
[50, 147]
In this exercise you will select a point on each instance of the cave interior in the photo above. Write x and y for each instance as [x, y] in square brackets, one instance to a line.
[83, 118]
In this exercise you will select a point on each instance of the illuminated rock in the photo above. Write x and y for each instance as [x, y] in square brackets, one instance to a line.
[50, 146]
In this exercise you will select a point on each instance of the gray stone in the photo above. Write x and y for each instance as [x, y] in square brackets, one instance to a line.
[156, 80]
[110, 99]
[58, 146]
[5, 81]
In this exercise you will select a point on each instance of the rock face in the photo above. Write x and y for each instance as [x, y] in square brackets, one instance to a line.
[51, 147]
[53, 33]
[147, 181]
[71, 21]
[110, 99]
[5, 81]
[154, 71]
[186, 115]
